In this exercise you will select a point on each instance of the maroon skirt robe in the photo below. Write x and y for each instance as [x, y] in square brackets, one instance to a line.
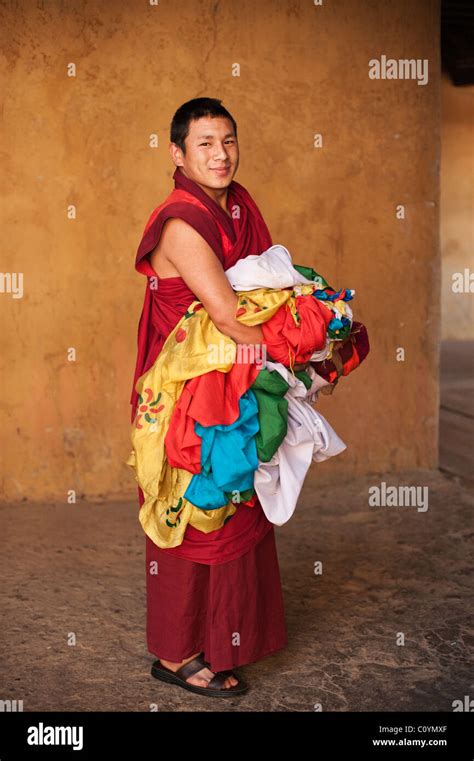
[218, 593]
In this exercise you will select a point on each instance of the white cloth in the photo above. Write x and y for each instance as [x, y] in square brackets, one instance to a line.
[309, 438]
[318, 356]
[274, 269]
[271, 269]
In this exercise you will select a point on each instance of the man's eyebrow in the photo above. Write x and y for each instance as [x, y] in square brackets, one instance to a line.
[201, 137]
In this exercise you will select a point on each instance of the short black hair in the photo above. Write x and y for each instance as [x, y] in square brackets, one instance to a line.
[196, 109]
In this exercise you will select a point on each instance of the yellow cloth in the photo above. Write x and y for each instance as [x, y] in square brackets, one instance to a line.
[186, 354]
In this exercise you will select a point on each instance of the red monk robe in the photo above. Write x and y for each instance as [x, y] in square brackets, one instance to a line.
[229, 580]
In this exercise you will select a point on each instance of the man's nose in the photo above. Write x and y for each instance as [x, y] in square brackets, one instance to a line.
[220, 153]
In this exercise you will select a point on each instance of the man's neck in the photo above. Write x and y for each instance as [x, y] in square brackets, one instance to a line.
[217, 194]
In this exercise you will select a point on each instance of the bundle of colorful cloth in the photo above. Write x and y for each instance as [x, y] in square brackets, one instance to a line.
[213, 431]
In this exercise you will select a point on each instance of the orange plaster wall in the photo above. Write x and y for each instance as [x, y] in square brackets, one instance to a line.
[84, 141]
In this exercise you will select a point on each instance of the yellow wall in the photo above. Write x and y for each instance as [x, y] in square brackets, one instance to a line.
[457, 208]
[85, 141]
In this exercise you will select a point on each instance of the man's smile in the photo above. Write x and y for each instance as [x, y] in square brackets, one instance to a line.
[221, 170]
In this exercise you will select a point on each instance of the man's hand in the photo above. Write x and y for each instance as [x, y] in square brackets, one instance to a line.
[300, 366]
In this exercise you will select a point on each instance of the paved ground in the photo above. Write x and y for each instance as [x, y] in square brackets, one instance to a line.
[387, 572]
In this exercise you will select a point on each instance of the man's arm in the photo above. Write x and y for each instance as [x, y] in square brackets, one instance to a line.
[203, 273]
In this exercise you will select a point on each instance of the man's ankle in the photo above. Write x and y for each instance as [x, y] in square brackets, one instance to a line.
[191, 657]
[177, 664]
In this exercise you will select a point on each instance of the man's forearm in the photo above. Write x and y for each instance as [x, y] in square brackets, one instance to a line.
[250, 334]
[242, 334]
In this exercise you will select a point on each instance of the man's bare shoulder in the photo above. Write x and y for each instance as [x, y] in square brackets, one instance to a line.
[181, 248]
[177, 232]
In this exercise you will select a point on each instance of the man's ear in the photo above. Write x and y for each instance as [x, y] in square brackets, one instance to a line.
[176, 154]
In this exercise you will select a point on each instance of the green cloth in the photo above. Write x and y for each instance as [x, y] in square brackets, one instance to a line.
[312, 275]
[269, 389]
[244, 495]
[303, 376]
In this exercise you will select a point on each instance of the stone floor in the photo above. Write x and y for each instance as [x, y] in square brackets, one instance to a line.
[389, 575]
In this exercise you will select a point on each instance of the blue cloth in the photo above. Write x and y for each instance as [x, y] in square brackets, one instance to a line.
[228, 457]
[325, 296]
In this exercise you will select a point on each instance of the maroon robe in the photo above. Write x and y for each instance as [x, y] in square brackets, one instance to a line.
[231, 240]
[227, 582]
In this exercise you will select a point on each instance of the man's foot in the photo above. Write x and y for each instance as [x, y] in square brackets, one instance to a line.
[202, 677]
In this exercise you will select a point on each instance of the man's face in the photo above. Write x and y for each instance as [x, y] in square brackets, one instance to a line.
[211, 147]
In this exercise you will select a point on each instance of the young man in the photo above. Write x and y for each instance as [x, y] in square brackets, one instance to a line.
[216, 601]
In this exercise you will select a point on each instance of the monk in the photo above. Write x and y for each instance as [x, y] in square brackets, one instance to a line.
[216, 601]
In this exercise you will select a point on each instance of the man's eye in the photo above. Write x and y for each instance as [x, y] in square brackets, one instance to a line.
[227, 141]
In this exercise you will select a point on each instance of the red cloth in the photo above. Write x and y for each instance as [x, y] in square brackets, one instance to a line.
[211, 399]
[284, 339]
[231, 239]
[352, 352]
[199, 608]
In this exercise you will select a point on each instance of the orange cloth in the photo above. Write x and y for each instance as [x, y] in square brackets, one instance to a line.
[289, 343]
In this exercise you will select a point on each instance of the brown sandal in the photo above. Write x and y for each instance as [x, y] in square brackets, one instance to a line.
[215, 687]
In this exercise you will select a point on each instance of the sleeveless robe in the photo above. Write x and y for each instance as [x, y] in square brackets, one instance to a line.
[231, 239]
